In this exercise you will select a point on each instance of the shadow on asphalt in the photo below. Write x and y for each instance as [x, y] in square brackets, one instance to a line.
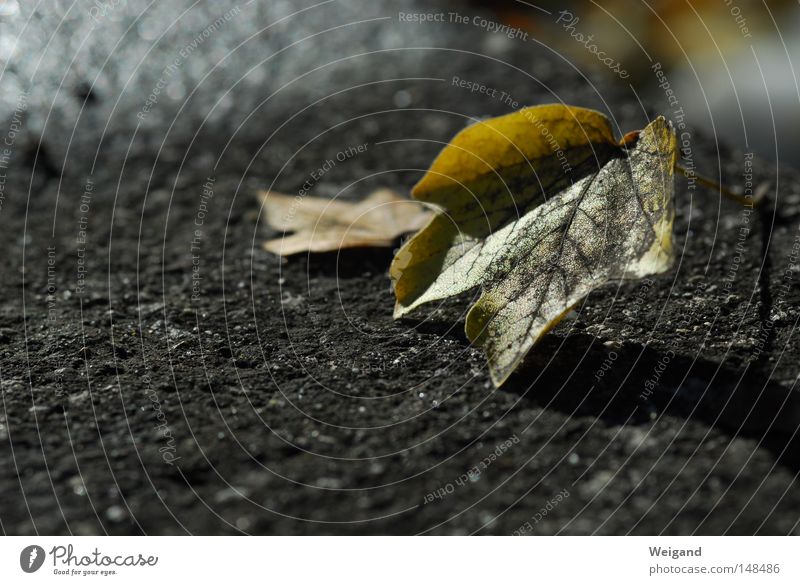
[642, 383]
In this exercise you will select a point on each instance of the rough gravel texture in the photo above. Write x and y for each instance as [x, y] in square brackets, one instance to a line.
[279, 396]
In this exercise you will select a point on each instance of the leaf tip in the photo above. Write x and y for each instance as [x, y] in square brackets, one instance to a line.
[400, 311]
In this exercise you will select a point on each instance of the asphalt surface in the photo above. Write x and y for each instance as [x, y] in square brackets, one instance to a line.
[162, 374]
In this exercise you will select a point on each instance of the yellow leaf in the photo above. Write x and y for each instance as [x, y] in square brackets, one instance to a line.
[526, 138]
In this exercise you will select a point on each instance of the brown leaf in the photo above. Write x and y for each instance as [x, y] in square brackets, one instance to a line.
[324, 225]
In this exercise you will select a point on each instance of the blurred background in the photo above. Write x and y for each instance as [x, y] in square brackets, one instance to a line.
[728, 62]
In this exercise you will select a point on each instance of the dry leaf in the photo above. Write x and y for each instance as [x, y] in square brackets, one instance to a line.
[323, 225]
[489, 175]
[540, 207]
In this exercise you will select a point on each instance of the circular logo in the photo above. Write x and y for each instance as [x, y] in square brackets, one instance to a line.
[31, 558]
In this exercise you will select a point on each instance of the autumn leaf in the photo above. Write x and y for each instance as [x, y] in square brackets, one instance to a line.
[538, 208]
[322, 225]
[489, 175]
